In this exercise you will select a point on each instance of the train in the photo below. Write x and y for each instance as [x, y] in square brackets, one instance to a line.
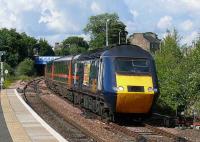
[110, 82]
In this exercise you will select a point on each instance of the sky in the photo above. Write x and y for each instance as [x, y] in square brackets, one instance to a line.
[56, 20]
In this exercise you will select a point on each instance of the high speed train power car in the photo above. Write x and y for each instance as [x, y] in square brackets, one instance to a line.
[115, 81]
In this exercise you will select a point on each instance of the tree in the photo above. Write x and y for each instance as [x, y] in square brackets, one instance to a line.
[9, 43]
[76, 41]
[44, 49]
[26, 67]
[168, 62]
[191, 72]
[76, 50]
[72, 45]
[28, 43]
[97, 30]
[17, 46]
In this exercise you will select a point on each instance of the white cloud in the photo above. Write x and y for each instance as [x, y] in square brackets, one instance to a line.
[56, 20]
[186, 25]
[134, 13]
[180, 6]
[164, 22]
[189, 38]
[8, 19]
[59, 22]
[192, 4]
[95, 7]
[20, 5]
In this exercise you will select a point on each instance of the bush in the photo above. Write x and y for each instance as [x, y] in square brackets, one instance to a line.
[8, 67]
[26, 67]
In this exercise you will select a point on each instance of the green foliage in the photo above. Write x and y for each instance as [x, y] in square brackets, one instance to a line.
[96, 27]
[7, 83]
[168, 61]
[8, 67]
[19, 46]
[72, 45]
[76, 50]
[44, 49]
[191, 85]
[179, 76]
[26, 67]
[11, 79]
[75, 41]
[24, 78]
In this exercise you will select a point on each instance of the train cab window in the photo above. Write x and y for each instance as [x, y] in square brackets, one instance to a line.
[127, 65]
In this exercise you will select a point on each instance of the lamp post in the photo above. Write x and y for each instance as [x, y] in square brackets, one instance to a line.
[126, 36]
[1, 81]
[107, 31]
[119, 37]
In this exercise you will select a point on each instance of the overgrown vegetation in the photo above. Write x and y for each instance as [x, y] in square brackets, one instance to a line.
[26, 67]
[179, 75]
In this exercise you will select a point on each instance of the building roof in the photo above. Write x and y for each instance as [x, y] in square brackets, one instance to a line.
[150, 36]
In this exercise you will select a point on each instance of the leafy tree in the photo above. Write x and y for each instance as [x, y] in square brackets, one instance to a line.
[44, 49]
[62, 52]
[75, 41]
[26, 67]
[28, 44]
[72, 45]
[76, 50]
[20, 46]
[9, 43]
[191, 72]
[97, 30]
[168, 61]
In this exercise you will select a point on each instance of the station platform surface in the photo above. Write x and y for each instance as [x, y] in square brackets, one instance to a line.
[19, 123]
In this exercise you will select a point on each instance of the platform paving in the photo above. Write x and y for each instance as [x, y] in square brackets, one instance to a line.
[20, 124]
[4, 132]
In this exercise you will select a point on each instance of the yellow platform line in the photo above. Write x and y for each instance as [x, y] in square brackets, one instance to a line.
[15, 128]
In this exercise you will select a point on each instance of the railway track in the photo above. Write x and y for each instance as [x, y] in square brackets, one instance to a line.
[141, 133]
[68, 129]
[146, 132]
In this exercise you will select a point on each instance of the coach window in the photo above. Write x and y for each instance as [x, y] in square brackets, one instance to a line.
[86, 76]
[93, 74]
[80, 71]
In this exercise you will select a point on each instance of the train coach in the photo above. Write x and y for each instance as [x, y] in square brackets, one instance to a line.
[111, 82]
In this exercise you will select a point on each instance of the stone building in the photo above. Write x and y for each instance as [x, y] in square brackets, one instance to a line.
[149, 41]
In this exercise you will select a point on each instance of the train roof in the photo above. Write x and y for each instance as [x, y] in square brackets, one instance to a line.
[64, 58]
[116, 51]
[127, 51]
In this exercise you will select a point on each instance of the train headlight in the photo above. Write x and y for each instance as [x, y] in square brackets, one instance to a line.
[120, 88]
[150, 89]
[155, 90]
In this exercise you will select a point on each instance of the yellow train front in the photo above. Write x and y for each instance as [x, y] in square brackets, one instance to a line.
[129, 81]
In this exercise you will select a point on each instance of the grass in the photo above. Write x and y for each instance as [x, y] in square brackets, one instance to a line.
[10, 79]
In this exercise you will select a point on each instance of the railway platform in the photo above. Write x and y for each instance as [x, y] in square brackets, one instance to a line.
[19, 123]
